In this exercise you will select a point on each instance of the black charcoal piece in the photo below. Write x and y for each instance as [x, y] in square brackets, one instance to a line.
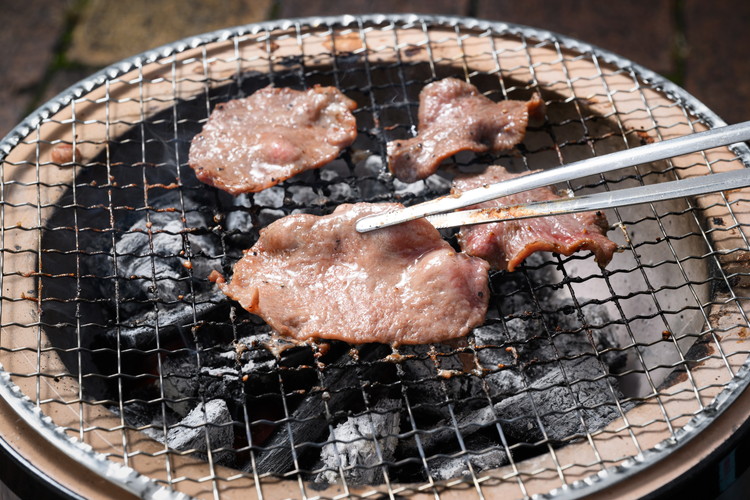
[571, 400]
[173, 319]
[209, 423]
[558, 407]
[362, 445]
[308, 421]
[161, 254]
[445, 468]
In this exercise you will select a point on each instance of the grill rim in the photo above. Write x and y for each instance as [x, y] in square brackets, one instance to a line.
[142, 485]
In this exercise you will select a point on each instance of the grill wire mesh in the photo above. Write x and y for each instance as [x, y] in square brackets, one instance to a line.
[110, 327]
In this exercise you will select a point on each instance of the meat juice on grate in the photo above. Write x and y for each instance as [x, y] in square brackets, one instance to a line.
[365, 413]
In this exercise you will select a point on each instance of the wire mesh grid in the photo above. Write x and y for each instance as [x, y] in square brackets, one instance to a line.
[112, 331]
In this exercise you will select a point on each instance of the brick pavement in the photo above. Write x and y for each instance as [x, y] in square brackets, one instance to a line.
[46, 45]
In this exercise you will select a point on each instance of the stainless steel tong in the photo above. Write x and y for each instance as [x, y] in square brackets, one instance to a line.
[440, 210]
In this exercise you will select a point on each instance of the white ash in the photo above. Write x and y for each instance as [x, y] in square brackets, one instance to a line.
[305, 196]
[371, 166]
[340, 192]
[445, 468]
[415, 188]
[141, 329]
[438, 183]
[570, 400]
[154, 263]
[362, 445]
[272, 197]
[206, 423]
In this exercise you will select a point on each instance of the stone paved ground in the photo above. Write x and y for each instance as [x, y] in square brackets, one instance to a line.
[47, 45]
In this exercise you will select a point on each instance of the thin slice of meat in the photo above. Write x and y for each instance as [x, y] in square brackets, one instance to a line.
[316, 277]
[251, 144]
[506, 244]
[454, 116]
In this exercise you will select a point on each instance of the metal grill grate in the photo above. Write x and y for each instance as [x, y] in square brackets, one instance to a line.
[579, 377]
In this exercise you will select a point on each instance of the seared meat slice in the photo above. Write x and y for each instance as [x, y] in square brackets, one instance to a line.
[315, 277]
[454, 116]
[506, 244]
[253, 143]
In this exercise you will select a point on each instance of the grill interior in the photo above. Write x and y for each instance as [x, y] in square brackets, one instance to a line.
[111, 328]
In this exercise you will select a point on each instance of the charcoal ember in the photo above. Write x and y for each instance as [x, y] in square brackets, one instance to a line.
[502, 377]
[164, 257]
[572, 400]
[307, 422]
[140, 330]
[218, 372]
[207, 424]
[569, 391]
[443, 468]
[432, 381]
[362, 446]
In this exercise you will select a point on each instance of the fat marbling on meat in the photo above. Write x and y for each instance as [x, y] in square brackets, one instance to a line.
[316, 277]
[454, 116]
[506, 244]
[253, 143]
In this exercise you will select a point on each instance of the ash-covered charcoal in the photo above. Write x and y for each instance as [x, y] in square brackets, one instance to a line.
[498, 360]
[361, 446]
[434, 376]
[443, 468]
[219, 372]
[561, 400]
[208, 424]
[140, 330]
[162, 258]
[307, 424]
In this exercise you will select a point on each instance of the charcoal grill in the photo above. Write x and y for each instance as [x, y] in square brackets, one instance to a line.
[124, 359]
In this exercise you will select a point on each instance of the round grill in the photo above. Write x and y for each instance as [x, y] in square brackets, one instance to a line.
[116, 347]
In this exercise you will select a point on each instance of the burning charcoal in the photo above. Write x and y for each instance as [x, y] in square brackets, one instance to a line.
[180, 382]
[503, 378]
[430, 385]
[145, 260]
[445, 468]
[372, 166]
[220, 373]
[352, 446]
[209, 423]
[341, 192]
[553, 403]
[559, 401]
[305, 196]
[308, 421]
[271, 198]
[140, 331]
[151, 254]
[415, 188]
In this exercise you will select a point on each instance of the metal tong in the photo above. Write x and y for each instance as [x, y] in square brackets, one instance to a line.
[439, 211]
